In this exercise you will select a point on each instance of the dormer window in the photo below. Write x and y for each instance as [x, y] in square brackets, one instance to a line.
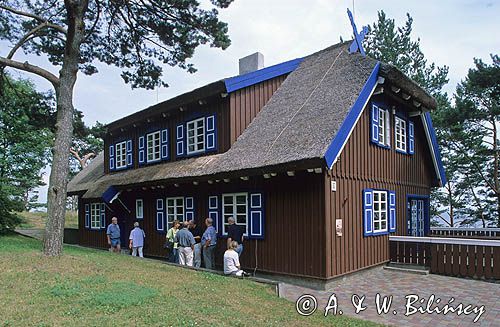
[195, 130]
[121, 155]
[153, 146]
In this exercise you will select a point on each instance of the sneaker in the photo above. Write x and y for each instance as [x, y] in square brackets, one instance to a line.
[245, 274]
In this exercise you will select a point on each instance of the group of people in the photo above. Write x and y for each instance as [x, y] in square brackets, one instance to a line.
[187, 244]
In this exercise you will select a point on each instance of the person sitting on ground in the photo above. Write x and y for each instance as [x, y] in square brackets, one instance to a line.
[235, 233]
[185, 241]
[173, 256]
[136, 238]
[232, 261]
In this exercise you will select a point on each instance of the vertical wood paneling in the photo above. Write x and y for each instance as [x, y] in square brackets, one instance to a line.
[363, 165]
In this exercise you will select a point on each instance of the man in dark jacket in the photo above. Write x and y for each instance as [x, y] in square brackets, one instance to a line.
[235, 233]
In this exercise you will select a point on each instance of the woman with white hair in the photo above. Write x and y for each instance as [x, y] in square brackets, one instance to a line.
[232, 261]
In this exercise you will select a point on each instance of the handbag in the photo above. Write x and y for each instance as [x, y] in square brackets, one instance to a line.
[169, 245]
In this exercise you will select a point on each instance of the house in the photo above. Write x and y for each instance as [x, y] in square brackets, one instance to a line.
[320, 159]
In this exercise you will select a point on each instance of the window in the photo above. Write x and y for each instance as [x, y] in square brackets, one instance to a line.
[379, 211]
[153, 146]
[400, 131]
[139, 209]
[121, 155]
[235, 205]
[175, 210]
[95, 215]
[383, 126]
[195, 135]
[380, 126]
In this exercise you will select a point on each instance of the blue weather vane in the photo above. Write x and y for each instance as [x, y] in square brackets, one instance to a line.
[357, 44]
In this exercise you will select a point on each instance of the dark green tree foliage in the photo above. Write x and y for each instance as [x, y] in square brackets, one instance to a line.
[473, 135]
[25, 144]
[138, 36]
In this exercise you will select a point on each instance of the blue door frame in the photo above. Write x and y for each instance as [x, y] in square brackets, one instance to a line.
[420, 200]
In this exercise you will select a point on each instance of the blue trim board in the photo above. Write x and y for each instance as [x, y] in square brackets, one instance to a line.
[435, 148]
[239, 82]
[338, 142]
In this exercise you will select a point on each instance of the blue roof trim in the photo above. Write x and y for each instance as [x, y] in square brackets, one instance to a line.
[435, 148]
[239, 82]
[343, 133]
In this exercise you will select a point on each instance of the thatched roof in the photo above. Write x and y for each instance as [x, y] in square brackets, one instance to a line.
[297, 125]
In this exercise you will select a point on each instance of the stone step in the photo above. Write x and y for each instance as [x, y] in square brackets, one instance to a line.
[407, 268]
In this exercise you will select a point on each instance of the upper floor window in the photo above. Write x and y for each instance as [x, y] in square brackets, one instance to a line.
[400, 134]
[236, 206]
[380, 126]
[121, 155]
[153, 146]
[195, 135]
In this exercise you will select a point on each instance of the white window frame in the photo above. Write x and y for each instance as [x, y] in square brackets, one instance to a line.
[121, 155]
[384, 127]
[139, 209]
[380, 211]
[176, 213]
[192, 127]
[233, 212]
[400, 137]
[95, 216]
[153, 148]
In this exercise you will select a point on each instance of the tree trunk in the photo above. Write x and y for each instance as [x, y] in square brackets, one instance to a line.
[495, 167]
[450, 202]
[56, 197]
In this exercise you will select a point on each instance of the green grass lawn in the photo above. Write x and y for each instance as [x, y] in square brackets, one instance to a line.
[87, 287]
[37, 220]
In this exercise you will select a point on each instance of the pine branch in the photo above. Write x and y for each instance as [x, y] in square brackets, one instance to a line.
[36, 17]
[27, 67]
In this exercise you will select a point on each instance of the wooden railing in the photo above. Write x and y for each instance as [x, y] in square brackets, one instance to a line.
[460, 257]
[464, 232]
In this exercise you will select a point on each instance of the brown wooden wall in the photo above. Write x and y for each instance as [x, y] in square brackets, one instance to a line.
[364, 165]
[294, 241]
[246, 103]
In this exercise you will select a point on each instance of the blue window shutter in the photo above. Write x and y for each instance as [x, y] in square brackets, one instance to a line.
[160, 221]
[111, 157]
[374, 124]
[368, 212]
[130, 160]
[87, 216]
[164, 144]
[392, 211]
[180, 144]
[257, 222]
[189, 208]
[411, 137]
[103, 216]
[141, 151]
[214, 213]
[210, 134]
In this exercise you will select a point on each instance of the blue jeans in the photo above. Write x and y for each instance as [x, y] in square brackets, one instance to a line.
[173, 256]
[208, 256]
[239, 249]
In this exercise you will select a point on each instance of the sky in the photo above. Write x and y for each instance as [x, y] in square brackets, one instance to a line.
[451, 33]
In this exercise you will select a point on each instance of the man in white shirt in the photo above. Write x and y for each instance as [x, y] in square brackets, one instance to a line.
[136, 240]
[232, 261]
